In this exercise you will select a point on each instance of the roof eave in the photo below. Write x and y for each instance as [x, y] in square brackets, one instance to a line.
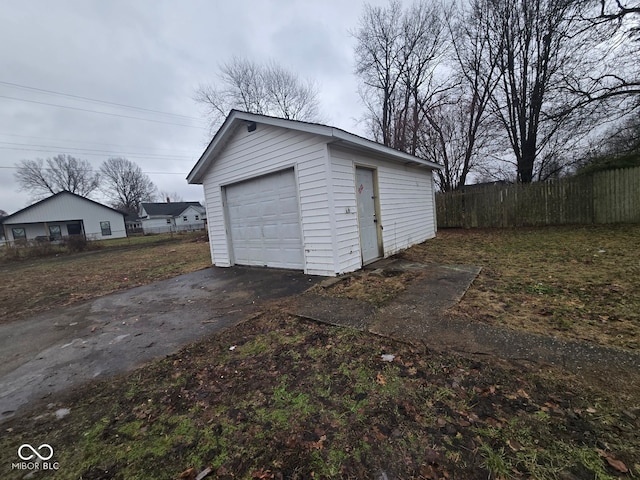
[236, 118]
[364, 144]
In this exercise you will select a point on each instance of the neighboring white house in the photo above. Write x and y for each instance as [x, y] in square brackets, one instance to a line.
[171, 217]
[62, 215]
[290, 194]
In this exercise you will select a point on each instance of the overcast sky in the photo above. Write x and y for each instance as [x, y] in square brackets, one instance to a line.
[152, 55]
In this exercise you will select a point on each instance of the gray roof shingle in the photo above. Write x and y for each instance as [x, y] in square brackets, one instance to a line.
[172, 209]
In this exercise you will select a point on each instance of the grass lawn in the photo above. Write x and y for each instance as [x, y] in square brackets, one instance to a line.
[574, 282]
[33, 285]
[279, 397]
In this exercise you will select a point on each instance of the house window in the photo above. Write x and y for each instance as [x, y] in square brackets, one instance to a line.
[19, 233]
[185, 218]
[197, 217]
[106, 228]
[168, 221]
[55, 232]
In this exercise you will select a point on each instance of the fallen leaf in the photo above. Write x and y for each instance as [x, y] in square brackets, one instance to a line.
[263, 474]
[591, 410]
[379, 435]
[380, 379]
[428, 472]
[188, 474]
[514, 445]
[613, 462]
[617, 464]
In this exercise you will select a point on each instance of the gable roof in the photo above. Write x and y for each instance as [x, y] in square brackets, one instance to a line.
[172, 209]
[335, 135]
[63, 192]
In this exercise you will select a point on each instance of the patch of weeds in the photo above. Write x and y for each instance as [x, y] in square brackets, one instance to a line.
[133, 391]
[590, 460]
[286, 398]
[377, 289]
[328, 464]
[389, 381]
[258, 346]
[495, 461]
[540, 288]
[442, 394]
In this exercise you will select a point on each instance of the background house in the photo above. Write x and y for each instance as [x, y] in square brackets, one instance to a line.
[171, 217]
[133, 223]
[61, 215]
[298, 195]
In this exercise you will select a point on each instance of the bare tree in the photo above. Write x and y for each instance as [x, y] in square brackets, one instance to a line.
[288, 96]
[266, 89]
[126, 185]
[63, 172]
[397, 54]
[460, 124]
[174, 196]
[617, 9]
[379, 63]
[540, 45]
[613, 79]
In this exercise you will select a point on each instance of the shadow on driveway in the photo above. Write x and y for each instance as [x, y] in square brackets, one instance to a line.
[65, 347]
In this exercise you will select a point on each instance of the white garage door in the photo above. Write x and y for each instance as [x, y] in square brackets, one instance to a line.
[264, 221]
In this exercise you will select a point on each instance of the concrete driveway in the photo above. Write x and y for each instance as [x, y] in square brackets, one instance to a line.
[69, 346]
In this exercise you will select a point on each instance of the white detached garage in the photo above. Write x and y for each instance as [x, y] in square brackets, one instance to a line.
[289, 194]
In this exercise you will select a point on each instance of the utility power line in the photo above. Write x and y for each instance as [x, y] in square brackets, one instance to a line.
[89, 154]
[7, 167]
[81, 150]
[100, 112]
[3, 134]
[95, 100]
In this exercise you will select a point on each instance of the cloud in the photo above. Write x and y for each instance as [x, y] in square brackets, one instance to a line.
[152, 54]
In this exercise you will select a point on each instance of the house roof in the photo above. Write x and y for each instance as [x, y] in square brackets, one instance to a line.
[333, 134]
[172, 209]
[44, 200]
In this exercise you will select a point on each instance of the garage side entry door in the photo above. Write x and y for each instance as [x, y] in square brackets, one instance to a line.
[367, 215]
[264, 221]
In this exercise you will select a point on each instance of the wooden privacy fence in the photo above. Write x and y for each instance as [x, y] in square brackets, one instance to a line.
[605, 197]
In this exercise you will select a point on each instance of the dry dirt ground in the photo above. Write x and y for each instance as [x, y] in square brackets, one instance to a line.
[280, 396]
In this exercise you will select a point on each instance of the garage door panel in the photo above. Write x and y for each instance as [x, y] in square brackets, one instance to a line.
[264, 221]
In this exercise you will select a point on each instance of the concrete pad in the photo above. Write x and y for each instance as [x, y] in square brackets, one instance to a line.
[115, 333]
[439, 287]
[419, 315]
[342, 312]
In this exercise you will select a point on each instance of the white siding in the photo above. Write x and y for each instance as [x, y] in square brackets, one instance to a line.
[157, 225]
[191, 213]
[346, 213]
[405, 200]
[67, 207]
[266, 150]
